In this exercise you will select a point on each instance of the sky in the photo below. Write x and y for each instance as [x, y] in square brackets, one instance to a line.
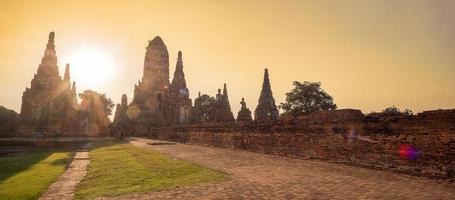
[368, 54]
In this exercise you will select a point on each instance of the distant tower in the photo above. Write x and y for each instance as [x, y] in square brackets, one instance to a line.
[156, 65]
[266, 109]
[222, 110]
[66, 76]
[179, 91]
[150, 91]
[153, 102]
[124, 101]
[244, 115]
[178, 85]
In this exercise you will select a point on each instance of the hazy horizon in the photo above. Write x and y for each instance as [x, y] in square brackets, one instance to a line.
[367, 54]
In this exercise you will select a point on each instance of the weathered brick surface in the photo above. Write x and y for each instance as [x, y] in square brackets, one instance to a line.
[343, 136]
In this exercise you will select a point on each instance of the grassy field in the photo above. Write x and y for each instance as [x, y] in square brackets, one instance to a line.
[123, 168]
[27, 175]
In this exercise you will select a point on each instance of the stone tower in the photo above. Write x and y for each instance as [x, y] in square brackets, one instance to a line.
[222, 110]
[121, 119]
[156, 65]
[150, 94]
[50, 103]
[266, 109]
[180, 93]
[156, 102]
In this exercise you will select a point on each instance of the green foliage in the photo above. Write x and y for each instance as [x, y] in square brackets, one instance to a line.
[123, 168]
[203, 107]
[393, 110]
[97, 99]
[305, 98]
[28, 175]
[96, 107]
[9, 120]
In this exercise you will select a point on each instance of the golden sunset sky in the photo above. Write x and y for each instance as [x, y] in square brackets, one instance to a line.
[368, 54]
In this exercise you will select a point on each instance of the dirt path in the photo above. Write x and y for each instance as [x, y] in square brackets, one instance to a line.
[261, 176]
[65, 186]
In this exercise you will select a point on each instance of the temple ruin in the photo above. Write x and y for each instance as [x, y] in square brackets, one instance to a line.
[50, 101]
[156, 101]
[266, 109]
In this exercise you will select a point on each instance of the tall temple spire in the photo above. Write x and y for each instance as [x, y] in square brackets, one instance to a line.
[50, 47]
[124, 100]
[49, 60]
[49, 91]
[67, 76]
[178, 84]
[225, 91]
[156, 64]
[74, 86]
[266, 109]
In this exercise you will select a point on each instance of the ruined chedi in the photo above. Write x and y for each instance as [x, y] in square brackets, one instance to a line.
[156, 102]
[244, 115]
[121, 120]
[266, 110]
[222, 110]
[180, 94]
[50, 103]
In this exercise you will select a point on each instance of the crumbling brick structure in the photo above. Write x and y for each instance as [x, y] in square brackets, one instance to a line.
[346, 136]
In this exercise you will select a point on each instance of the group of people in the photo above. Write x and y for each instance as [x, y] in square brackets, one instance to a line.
[40, 135]
[119, 135]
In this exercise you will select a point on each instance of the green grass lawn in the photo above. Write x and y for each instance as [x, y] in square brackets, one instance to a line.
[123, 168]
[27, 175]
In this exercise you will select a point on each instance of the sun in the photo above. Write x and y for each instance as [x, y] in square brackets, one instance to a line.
[91, 67]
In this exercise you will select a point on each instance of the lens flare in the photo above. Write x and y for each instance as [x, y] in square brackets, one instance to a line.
[409, 152]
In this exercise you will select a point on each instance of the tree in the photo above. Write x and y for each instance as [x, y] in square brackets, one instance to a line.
[96, 107]
[9, 121]
[305, 98]
[203, 108]
[393, 110]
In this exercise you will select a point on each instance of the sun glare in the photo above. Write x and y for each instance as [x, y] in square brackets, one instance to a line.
[91, 67]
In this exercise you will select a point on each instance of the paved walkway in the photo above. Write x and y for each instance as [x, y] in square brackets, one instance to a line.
[261, 176]
[65, 186]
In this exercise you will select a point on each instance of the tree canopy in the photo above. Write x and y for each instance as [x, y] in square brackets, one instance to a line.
[305, 98]
[97, 107]
[393, 110]
[203, 107]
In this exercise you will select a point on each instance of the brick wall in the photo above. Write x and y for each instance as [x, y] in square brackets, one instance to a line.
[423, 144]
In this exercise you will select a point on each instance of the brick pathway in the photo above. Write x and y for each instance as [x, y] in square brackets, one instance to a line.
[65, 186]
[261, 176]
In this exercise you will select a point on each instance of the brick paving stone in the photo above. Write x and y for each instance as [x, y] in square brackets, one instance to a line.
[65, 186]
[262, 176]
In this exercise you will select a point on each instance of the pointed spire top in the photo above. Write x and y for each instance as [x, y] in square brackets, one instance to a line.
[225, 90]
[51, 37]
[266, 109]
[74, 86]
[179, 65]
[199, 94]
[67, 76]
[124, 100]
[266, 82]
[156, 41]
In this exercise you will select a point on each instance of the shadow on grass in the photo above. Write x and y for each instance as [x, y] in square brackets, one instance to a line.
[61, 161]
[20, 162]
